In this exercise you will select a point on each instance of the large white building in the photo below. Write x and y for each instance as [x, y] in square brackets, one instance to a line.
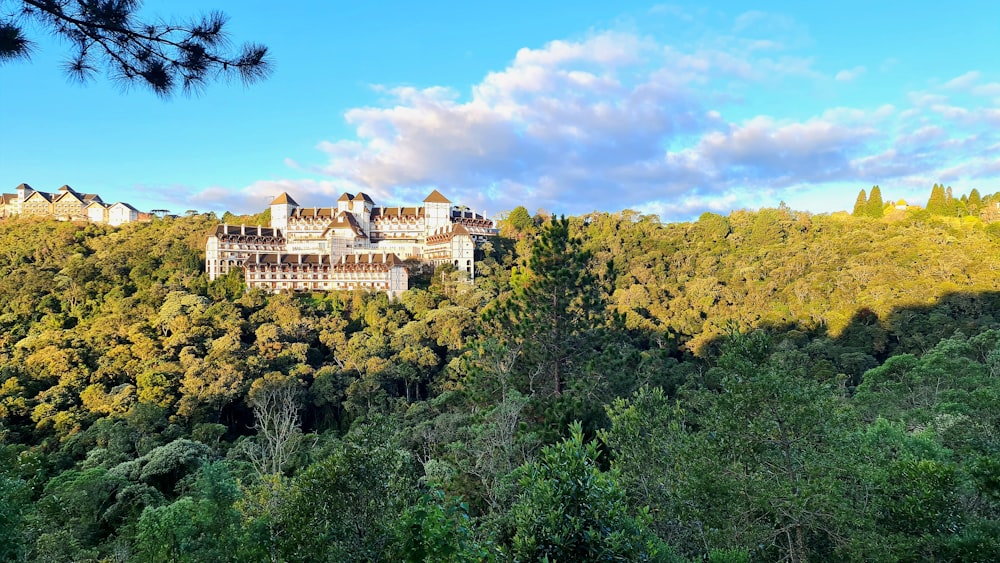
[355, 245]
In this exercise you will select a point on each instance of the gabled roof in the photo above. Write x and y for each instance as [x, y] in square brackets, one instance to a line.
[445, 234]
[96, 202]
[64, 194]
[66, 188]
[363, 197]
[284, 199]
[436, 197]
[91, 198]
[345, 197]
[44, 195]
[123, 204]
[346, 221]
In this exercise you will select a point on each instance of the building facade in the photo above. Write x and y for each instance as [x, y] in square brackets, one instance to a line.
[66, 204]
[354, 245]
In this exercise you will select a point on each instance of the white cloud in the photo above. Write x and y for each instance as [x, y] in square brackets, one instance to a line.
[963, 82]
[620, 120]
[991, 90]
[848, 75]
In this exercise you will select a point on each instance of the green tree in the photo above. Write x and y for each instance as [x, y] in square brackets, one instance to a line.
[162, 56]
[552, 315]
[518, 223]
[875, 206]
[652, 469]
[572, 511]
[346, 507]
[438, 530]
[860, 204]
[937, 204]
[14, 503]
[203, 526]
[975, 202]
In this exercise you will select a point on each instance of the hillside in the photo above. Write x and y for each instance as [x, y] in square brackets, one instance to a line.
[766, 385]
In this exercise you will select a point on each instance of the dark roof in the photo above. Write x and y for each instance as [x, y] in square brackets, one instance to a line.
[346, 221]
[397, 212]
[345, 197]
[304, 212]
[276, 258]
[122, 203]
[389, 259]
[88, 198]
[66, 188]
[363, 197]
[44, 195]
[24, 186]
[284, 199]
[65, 194]
[448, 233]
[436, 197]
[234, 230]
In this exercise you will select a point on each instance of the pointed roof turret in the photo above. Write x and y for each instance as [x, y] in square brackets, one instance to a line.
[363, 197]
[345, 197]
[436, 197]
[284, 199]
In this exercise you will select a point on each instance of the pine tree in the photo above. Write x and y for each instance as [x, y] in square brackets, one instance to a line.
[975, 202]
[860, 204]
[937, 204]
[553, 314]
[951, 204]
[875, 207]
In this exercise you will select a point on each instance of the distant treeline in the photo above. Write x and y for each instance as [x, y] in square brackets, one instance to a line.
[941, 203]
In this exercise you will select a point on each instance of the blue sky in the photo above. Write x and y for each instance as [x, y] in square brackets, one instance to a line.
[670, 109]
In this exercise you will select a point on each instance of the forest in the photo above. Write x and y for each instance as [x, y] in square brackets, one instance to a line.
[770, 385]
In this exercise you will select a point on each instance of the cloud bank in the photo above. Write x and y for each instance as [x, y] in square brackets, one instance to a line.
[624, 120]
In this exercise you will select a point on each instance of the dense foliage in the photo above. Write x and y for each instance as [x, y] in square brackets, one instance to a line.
[770, 385]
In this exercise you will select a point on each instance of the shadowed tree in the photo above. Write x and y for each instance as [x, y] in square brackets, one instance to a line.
[163, 55]
[553, 311]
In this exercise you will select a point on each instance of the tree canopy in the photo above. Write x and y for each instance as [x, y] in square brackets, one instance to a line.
[765, 385]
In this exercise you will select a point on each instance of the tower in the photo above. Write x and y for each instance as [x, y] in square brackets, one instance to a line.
[281, 208]
[23, 191]
[437, 212]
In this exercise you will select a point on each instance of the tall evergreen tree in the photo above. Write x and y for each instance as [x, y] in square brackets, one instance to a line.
[975, 202]
[551, 313]
[874, 207]
[938, 203]
[860, 204]
[950, 204]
